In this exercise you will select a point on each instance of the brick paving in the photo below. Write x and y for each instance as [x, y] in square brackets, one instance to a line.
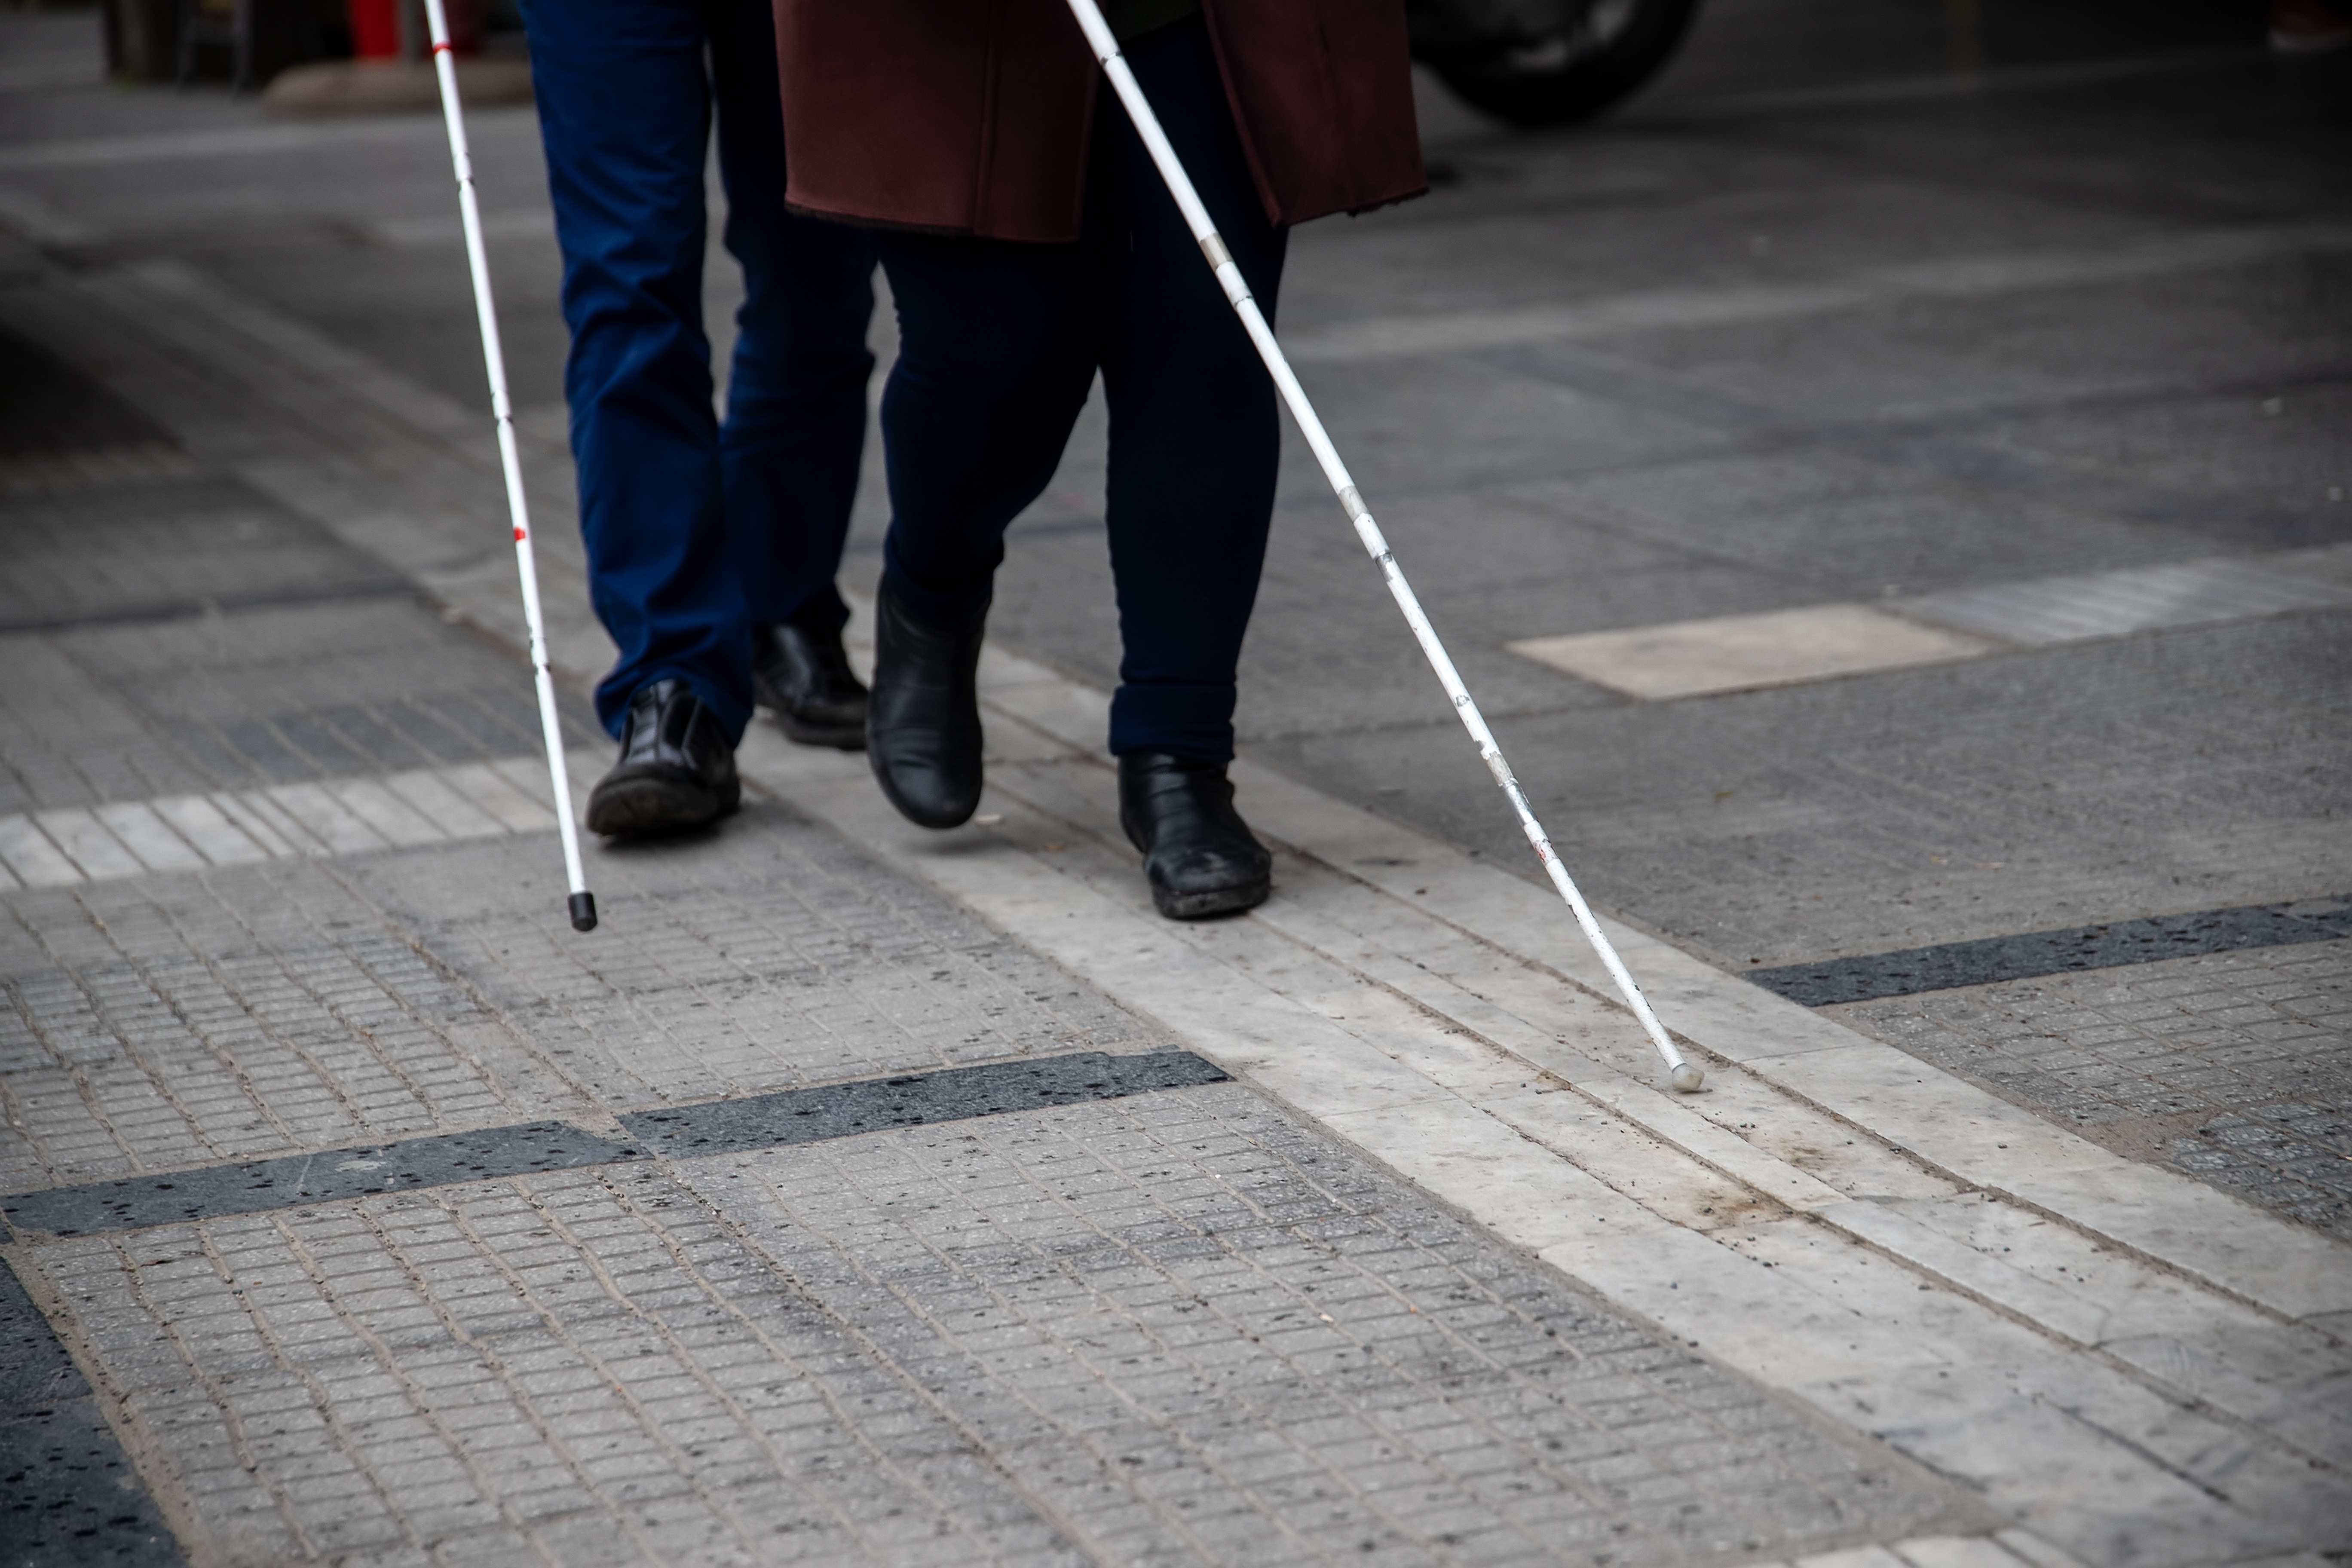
[128, 681]
[175, 1021]
[1179, 1327]
[1183, 1326]
[1183, 1329]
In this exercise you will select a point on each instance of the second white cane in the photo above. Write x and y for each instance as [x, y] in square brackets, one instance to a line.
[582, 904]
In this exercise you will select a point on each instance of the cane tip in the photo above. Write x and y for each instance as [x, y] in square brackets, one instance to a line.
[1687, 1078]
[583, 912]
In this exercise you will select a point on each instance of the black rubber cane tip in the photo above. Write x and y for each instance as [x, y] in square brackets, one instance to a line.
[583, 912]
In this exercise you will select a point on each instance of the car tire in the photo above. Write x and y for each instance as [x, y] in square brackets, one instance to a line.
[1574, 78]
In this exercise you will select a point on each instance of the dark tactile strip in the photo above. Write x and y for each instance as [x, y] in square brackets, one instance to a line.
[758, 1122]
[67, 1494]
[213, 1191]
[1947, 965]
[840, 1111]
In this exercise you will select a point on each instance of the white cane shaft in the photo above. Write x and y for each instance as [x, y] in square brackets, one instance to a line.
[494, 361]
[1196, 217]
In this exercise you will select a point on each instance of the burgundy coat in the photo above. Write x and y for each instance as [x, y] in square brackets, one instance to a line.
[972, 116]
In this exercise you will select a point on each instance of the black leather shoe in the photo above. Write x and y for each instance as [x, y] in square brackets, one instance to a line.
[922, 725]
[1198, 853]
[802, 676]
[676, 770]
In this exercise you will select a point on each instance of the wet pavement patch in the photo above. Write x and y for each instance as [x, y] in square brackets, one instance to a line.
[1948, 966]
[841, 1110]
[758, 1122]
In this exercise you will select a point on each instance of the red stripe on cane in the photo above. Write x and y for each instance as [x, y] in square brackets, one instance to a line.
[519, 536]
[444, 48]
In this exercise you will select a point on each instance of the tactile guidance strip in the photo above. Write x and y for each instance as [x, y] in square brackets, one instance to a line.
[2031, 954]
[680, 1132]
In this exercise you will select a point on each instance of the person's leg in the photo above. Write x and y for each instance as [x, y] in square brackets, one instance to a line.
[795, 424]
[995, 357]
[1195, 437]
[1193, 449]
[995, 353]
[623, 109]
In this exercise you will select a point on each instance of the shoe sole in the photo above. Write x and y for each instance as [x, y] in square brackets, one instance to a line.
[1212, 903]
[649, 808]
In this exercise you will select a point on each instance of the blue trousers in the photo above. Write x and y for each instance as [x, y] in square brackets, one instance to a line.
[999, 344]
[696, 530]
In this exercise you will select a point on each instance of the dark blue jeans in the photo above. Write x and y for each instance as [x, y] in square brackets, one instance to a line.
[696, 531]
[999, 344]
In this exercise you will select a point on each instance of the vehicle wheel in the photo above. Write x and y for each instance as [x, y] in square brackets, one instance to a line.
[1575, 75]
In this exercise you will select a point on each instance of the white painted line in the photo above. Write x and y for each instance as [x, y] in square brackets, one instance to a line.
[392, 817]
[149, 838]
[1745, 653]
[201, 821]
[32, 857]
[87, 844]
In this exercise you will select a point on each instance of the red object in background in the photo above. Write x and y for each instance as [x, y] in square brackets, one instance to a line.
[376, 28]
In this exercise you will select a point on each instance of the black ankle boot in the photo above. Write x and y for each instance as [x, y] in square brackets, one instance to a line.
[676, 770]
[1198, 853]
[922, 723]
[800, 675]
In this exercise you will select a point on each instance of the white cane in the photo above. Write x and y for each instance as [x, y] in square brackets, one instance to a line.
[583, 903]
[1683, 1075]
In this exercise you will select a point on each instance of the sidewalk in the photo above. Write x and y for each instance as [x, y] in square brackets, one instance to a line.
[448, 1258]
[860, 1194]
